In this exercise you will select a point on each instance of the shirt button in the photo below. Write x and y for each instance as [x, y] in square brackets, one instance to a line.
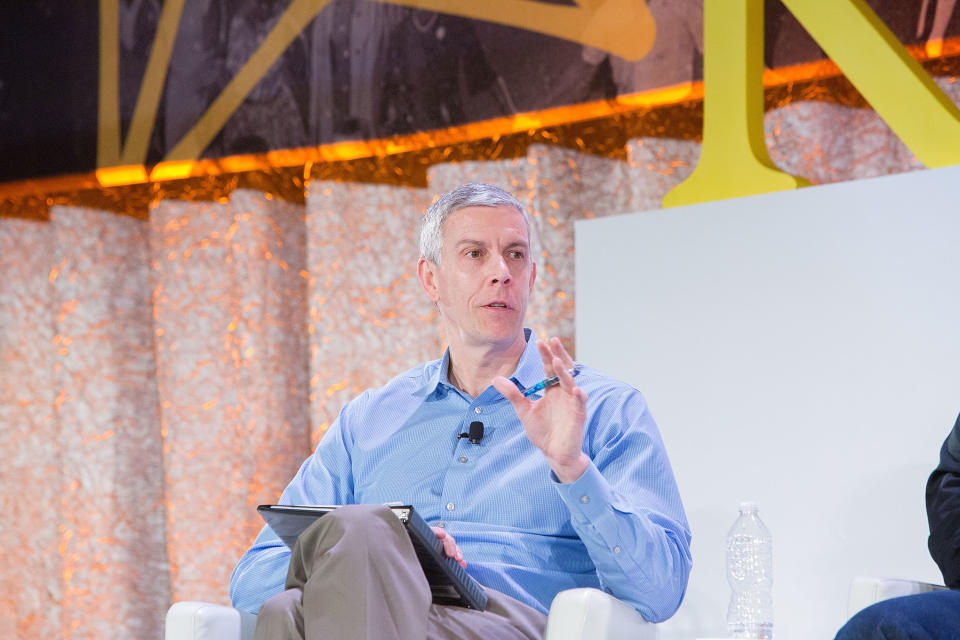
[463, 458]
[477, 410]
[616, 549]
[450, 506]
[441, 524]
[584, 499]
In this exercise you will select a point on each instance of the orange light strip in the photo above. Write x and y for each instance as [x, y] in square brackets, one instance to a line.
[473, 131]
[826, 68]
[55, 184]
[124, 174]
[480, 130]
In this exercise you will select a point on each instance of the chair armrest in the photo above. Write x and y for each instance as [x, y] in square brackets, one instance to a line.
[576, 614]
[865, 591]
[205, 621]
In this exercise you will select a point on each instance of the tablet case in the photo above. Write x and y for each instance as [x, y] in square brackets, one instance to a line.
[449, 583]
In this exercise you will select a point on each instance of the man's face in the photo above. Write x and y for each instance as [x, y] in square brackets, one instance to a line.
[485, 276]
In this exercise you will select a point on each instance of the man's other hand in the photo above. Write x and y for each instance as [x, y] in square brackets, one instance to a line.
[450, 546]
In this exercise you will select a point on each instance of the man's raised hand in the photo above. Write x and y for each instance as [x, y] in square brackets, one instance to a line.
[555, 422]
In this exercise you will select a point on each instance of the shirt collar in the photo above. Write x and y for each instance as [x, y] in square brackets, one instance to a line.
[529, 370]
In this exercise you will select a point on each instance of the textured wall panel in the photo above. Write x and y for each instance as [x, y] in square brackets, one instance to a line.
[113, 542]
[229, 308]
[807, 139]
[369, 319]
[657, 165]
[567, 186]
[831, 143]
[31, 581]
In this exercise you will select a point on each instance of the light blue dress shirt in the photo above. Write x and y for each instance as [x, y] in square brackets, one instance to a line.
[620, 527]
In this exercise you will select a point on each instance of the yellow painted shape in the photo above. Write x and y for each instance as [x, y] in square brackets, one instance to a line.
[734, 161]
[622, 27]
[148, 99]
[890, 79]
[293, 20]
[108, 108]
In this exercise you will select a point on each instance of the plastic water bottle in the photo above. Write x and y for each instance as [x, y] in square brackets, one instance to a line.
[750, 574]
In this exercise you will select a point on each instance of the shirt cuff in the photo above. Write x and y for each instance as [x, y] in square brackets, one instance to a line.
[588, 497]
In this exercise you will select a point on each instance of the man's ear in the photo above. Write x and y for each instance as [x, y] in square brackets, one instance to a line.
[427, 273]
[533, 275]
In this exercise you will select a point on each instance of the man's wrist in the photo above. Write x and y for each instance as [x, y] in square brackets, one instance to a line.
[571, 472]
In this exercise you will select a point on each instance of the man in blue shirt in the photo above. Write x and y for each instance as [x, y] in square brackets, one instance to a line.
[568, 487]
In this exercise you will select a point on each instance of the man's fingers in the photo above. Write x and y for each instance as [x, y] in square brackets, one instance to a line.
[452, 550]
[563, 373]
[508, 390]
[560, 352]
[555, 358]
[450, 546]
[457, 555]
[546, 355]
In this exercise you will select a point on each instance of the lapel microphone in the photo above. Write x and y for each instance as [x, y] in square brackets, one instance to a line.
[476, 432]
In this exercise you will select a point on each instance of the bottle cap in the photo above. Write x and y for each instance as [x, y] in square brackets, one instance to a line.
[748, 506]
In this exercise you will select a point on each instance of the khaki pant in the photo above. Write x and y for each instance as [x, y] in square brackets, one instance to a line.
[354, 575]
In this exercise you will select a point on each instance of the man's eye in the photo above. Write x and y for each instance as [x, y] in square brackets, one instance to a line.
[516, 255]
[473, 253]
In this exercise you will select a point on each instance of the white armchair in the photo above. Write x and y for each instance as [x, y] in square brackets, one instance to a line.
[575, 614]
[865, 591]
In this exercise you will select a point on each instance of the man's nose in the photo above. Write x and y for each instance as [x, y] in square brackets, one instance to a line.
[500, 273]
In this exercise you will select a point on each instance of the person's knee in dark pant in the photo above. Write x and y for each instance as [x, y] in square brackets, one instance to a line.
[923, 616]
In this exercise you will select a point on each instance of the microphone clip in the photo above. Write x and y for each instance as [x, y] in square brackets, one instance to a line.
[476, 432]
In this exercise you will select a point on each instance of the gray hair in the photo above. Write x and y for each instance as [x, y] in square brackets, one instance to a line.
[472, 194]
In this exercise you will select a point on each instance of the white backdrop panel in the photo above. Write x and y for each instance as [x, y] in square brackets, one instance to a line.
[800, 349]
